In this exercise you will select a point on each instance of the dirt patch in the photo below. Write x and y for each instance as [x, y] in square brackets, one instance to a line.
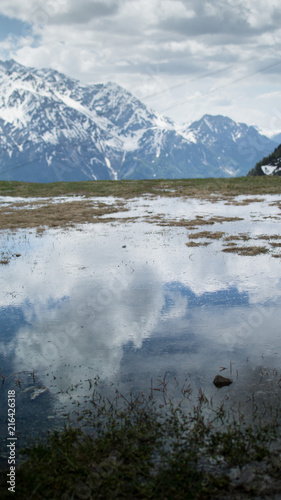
[45, 213]
[250, 250]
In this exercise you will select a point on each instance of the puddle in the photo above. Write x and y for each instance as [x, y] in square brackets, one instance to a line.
[128, 302]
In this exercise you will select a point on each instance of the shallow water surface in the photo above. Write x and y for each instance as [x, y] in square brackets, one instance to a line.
[130, 303]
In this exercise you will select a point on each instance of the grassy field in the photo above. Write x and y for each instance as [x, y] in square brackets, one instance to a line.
[44, 213]
[201, 188]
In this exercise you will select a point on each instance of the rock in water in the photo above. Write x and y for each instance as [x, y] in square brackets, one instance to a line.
[220, 381]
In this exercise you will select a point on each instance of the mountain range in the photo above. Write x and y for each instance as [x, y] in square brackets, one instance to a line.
[56, 128]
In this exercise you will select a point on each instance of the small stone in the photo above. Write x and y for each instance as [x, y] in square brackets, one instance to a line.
[220, 381]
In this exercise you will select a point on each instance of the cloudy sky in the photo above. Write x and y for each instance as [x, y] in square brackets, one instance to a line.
[183, 58]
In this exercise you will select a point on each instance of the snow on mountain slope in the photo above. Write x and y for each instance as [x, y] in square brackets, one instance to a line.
[53, 127]
[269, 165]
[235, 146]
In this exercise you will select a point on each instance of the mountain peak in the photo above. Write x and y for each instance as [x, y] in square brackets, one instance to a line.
[11, 65]
[56, 128]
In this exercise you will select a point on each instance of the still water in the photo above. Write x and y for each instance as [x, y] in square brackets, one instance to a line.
[129, 301]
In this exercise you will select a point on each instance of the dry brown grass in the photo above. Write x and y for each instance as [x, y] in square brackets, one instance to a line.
[237, 237]
[244, 202]
[215, 235]
[269, 237]
[230, 244]
[250, 250]
[197, 243]
[113, 220]
[276, 203]
[271, 217]
[199, 220]
[48, 214]
[202, 221]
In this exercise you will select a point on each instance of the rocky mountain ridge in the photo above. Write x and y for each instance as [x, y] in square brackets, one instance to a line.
[55, 128]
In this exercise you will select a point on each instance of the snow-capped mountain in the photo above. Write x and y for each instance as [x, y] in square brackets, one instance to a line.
[54, 128]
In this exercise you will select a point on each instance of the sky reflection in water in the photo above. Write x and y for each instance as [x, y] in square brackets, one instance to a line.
[132, 302]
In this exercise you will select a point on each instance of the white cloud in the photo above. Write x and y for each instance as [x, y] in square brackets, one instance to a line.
[86, 297]
[151, 45]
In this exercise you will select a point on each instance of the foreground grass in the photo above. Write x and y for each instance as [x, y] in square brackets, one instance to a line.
[136, 448]
[202, 188]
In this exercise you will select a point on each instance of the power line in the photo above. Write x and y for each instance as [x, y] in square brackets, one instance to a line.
[221, 86]
[204, 75]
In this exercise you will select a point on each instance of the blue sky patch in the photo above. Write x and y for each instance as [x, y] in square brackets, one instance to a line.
[12, 27]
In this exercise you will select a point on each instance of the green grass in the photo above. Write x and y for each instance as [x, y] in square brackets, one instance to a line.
[129, 188]
[139, 448]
